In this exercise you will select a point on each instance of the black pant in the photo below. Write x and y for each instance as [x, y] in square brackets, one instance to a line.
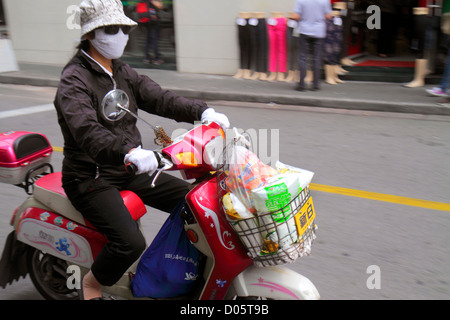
[245, 48]
[259, 46]
[100, 203]
[421, 24]
[310, 45]
[293, 45]
[151, 42]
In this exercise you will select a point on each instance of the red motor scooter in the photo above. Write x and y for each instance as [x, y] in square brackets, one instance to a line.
[50, 234]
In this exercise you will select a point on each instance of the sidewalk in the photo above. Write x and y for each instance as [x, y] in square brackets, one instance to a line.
[357, 95]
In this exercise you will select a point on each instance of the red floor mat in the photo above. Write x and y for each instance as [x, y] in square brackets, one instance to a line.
[384, 63]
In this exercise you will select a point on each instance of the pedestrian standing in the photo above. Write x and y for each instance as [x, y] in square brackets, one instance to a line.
[149, 17]
[312, 15]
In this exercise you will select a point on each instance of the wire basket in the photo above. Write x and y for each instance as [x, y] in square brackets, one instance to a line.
[276, 237]
[270, 242]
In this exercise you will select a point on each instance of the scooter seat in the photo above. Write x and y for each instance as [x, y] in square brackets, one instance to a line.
[49, 191]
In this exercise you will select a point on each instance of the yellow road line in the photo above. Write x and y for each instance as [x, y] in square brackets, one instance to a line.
[433, 205]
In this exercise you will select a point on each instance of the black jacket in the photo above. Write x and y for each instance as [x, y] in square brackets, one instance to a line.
[93, 144]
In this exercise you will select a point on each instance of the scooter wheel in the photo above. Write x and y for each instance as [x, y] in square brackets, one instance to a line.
[49, 276]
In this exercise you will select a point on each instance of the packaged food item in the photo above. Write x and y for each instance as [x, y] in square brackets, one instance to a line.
[243, 222]
[246, 173]
[272, 206]
[304, 176]
[234, 208]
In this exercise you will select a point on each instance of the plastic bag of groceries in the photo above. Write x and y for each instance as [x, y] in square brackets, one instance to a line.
[246, 172]
[260, 195]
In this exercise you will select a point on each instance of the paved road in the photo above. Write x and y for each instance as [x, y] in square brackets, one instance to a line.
[396, 154]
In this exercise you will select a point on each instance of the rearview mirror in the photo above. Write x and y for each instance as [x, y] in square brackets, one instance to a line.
[115, 105]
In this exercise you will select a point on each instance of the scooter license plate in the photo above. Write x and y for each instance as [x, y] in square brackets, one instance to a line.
[305, 216]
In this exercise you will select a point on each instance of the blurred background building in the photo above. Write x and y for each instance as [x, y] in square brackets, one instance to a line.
[196, 36]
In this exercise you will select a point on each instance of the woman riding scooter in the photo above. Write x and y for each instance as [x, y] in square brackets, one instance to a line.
[96, 149]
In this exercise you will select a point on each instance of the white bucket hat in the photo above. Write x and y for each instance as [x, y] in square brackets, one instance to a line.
[99, 13]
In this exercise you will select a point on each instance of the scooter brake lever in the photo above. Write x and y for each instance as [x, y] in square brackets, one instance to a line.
[166, 164]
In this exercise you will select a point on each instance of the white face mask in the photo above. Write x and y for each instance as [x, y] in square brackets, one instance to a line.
[111, 46]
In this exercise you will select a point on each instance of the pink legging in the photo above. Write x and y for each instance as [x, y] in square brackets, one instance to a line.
[277, 46]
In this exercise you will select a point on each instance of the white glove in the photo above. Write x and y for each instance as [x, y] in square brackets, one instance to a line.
[144, 160]
[211, 115]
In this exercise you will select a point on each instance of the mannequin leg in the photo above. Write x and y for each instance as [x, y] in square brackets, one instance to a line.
[247, 74]
[420, 72]
[239, 74]
[272, 76]
[347, 61]
[335, 73]
[263, 76]
[290, 76]
[329, 77]
[280, 76]
[255, 76]
[309, 76]
[340, 70]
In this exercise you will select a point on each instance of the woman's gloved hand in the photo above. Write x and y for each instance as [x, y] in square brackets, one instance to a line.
[211, 115]
[144, 160]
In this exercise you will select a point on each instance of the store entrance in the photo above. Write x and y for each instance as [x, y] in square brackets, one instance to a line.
[390, 53]
[164, 29]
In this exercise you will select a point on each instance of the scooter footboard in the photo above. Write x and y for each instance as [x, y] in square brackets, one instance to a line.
[273, 282]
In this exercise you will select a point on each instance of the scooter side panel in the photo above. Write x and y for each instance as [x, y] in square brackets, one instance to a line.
[59, 236]
[230, 257]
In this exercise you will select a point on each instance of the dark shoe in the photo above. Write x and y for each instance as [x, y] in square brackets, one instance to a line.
[300, 88]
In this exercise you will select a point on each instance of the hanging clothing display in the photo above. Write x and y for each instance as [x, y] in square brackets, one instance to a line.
[293, 44]
[277, 44]
[245, 49]
[333, 42]
[259, 44]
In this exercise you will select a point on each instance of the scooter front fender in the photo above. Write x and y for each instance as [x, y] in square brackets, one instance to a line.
[278, 283]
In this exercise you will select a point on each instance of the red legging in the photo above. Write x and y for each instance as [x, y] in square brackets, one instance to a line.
[277, 46]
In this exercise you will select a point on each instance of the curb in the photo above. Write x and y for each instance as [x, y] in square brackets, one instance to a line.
[286, 99]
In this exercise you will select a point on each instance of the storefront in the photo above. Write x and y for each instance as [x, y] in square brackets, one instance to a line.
[400, 32]
[385, 41]
[201, 36]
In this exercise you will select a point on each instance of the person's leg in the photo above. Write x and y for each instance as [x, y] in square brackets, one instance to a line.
[166, 194]
[302, 60]
[148, 41]
[102, 205]
[158, 59]
[316, 44]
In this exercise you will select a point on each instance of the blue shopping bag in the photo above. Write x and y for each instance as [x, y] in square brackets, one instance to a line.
[169, 266]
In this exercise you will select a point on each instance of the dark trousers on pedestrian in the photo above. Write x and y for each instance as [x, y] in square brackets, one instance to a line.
[310, 46]
[151, 42]
[101, 204]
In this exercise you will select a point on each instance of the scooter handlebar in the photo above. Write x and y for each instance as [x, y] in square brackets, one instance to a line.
[163, 163]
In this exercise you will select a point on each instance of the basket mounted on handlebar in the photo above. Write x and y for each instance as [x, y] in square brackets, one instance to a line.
[272, 237]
